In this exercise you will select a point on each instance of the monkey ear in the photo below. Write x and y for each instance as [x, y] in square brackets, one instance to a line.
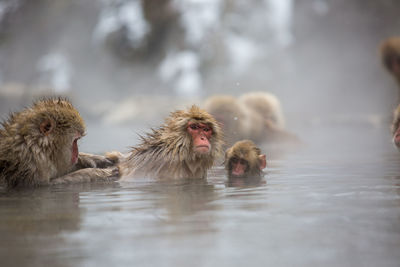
[263, 161]
[46, 126]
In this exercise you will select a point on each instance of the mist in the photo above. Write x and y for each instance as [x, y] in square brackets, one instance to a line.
[126, 64]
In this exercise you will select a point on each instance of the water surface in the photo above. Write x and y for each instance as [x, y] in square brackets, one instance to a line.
[333, 202]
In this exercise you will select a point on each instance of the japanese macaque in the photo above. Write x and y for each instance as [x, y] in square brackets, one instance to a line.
[229, 114]
[390, 55]
[39, 146]
[396, 127]
[266, 105]
[256, 116]
[244, 160]
[185, 146]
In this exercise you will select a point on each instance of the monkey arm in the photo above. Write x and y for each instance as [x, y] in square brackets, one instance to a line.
[88, 175]
[116, 156]
[86, 160]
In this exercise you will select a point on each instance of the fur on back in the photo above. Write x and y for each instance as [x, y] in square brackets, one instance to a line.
[27, 156]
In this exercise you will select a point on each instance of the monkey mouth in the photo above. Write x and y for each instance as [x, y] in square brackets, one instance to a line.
[202, 149]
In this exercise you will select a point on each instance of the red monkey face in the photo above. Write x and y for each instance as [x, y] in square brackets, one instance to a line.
[201, 134]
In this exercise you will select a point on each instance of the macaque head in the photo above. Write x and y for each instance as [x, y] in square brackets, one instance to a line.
[195, 132]
[244, 160]
[390, 54]
[59, 128]
[396, 127]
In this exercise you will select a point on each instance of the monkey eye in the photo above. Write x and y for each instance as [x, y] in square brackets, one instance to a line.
[234, 160]
[206, 129]
[194, 126]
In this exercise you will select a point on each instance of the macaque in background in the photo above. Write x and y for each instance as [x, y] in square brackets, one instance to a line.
[255, 116]
[38, 146]
[396, 127]
[185, 146]
[244, 160]
[390, 55]
[266, 105]
[229, 114]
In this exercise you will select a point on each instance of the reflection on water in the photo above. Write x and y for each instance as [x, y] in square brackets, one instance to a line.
[333, 202]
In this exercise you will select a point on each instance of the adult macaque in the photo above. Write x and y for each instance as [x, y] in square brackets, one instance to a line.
[266, 105]
[244, 160]
[396, 127]
[185, 146]
[230, 115]
[390, 55]
[255, 116]
[39, 146]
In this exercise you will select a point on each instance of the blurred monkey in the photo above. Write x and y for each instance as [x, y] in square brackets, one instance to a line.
[390, 56]
[255, 116]
[266, 105]
[230, 115]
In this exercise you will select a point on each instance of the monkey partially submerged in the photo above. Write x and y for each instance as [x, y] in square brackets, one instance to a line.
[39, 146]
[185, 146]
[244, 160]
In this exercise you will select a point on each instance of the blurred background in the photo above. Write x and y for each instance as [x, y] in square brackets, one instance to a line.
[126, 64]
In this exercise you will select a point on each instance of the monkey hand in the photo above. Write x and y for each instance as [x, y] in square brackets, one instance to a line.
[88, 175]
[115, 156]
[86, 160]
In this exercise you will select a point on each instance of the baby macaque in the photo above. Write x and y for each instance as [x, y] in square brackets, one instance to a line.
[39, 146]
[244, 160]
[185, 146]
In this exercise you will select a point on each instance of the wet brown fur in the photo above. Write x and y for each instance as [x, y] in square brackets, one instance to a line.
[28, 157]
[167, 152]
